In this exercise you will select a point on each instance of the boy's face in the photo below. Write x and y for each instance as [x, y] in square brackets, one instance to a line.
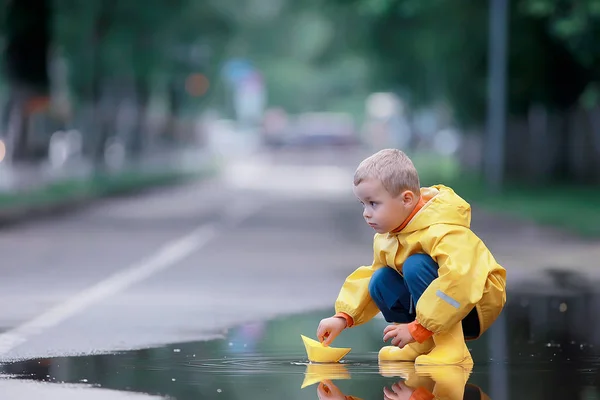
[382, 211]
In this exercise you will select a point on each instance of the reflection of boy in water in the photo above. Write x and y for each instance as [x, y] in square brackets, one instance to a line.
[431, 275]
[447, 383]
[328, 391]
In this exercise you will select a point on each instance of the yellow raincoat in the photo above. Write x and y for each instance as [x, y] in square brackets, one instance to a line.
[469, 276]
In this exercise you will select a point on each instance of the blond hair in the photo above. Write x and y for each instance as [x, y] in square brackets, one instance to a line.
[393, 168]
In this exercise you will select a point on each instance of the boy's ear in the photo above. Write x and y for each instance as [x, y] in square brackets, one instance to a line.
[408, 197]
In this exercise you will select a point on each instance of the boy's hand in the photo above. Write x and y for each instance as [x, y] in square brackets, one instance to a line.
[399, 334]
[329, 328]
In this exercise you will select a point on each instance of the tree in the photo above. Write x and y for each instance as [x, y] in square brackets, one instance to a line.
[28, 38]
[125, 50]
[576, 25]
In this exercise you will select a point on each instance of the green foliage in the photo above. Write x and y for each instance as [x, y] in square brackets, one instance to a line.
[576, 25]
[573, 22]
[432, 50]
[128, 40]
[437, 50]
[309, 52]
[316, 53]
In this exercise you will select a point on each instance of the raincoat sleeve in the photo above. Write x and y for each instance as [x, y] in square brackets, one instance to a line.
[463, 261]
[354, 299]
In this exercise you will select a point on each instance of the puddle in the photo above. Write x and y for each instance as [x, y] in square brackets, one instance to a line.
[545, 347]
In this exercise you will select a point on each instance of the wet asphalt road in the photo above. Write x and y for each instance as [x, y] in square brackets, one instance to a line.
[182, 263]
[153, 276]
[269, 236]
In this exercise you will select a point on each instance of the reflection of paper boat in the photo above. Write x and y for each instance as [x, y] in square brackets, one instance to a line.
[318, 353]
[316, 373]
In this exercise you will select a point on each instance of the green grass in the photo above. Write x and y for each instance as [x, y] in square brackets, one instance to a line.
[100, 185]
[575, 208]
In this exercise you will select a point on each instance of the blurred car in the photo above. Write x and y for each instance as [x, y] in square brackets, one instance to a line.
[315, 130]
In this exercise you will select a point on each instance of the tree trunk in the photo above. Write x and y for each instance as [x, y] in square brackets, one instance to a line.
[101, 27]
[594, 116]
[28, 37]
[172, 127]
[138, 138]
[537, 151]
[561, 169]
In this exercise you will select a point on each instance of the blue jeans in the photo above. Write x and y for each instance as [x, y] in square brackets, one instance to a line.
[396, 296]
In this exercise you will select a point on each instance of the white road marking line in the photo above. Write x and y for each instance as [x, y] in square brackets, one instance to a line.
[170, 254]
[167, 256]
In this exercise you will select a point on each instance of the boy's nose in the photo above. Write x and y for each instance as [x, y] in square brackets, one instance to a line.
[366, 213]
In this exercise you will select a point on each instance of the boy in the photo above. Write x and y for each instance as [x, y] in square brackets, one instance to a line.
[431, 276]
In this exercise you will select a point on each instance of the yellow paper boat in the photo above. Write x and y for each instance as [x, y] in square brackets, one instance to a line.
[318, 353]
[316, 373]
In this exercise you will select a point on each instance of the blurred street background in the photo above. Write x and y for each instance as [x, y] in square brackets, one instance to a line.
[176, 202]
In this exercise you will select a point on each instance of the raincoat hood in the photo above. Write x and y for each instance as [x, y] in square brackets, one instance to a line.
[442, 206]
